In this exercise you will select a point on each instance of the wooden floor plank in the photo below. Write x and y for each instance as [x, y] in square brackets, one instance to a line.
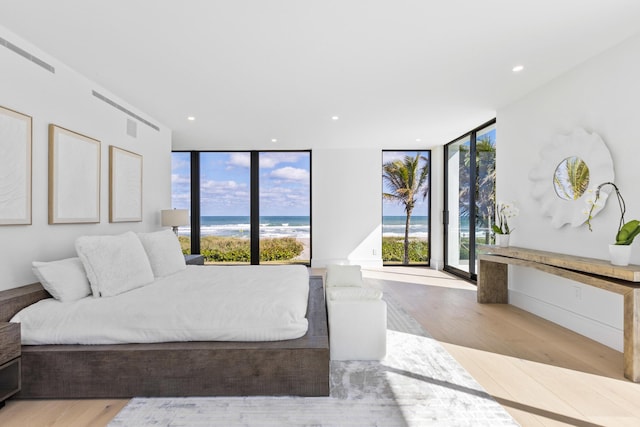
[60, 413]
[542, 373]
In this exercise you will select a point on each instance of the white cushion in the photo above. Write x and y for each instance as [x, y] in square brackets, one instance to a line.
[353, 294]
[344, 275]
[64, 279]
[114, 264]
[164, 252]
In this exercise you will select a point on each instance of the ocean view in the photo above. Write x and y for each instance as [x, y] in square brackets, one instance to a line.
[296, 226]
[270, 226]
[393, 226]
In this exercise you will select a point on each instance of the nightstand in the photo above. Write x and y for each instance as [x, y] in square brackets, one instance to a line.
[194, 259]
[10, 352]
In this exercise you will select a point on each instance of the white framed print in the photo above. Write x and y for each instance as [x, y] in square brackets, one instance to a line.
[125, 185]
[15, 167]
[74, 177]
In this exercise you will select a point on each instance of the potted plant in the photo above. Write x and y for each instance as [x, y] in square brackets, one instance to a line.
[504, 211]
[620, 251]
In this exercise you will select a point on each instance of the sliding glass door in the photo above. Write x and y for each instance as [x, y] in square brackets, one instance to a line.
[469, 198]
[458, 203]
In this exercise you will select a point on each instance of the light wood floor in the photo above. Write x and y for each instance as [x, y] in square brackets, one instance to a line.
[544, 375]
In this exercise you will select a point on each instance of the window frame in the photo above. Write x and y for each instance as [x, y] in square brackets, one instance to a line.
[429, 209]
[472, 274]
[195, 222]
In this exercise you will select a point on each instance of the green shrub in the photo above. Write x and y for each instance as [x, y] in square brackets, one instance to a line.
[185, 244]
[232, 249]
[393, 250]
[280, 249]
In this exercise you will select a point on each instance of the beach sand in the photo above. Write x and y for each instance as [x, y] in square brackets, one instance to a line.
[306, 253]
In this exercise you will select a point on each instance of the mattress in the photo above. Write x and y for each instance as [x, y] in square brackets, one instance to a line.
[200, 303]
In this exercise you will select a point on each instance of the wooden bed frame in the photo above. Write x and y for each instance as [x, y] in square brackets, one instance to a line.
[291, 367]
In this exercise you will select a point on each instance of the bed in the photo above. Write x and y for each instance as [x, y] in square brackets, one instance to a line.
[242, 366]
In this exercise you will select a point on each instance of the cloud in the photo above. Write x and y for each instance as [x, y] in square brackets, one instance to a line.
[180, 179]
[290, 174]
[239, 159]
[273, 200]
[221, 187]
[271, 160]
[179, 162]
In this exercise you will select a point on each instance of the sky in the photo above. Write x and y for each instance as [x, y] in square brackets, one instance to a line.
[285, 182]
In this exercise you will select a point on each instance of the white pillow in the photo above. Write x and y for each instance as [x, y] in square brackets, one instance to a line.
[353, 294]
[114, 264]
[164, 252]
[64, 279]
[344, 275]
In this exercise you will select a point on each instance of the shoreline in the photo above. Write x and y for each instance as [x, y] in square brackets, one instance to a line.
[306, 252]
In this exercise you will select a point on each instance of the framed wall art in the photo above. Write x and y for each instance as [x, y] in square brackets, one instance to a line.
[125, 185]
[74, 177]
[15, 167]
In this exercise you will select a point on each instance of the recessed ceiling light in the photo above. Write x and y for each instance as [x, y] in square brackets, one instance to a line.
[334, 117]
[517, 68]
[274, 140]
[191, 118]
[418, 140]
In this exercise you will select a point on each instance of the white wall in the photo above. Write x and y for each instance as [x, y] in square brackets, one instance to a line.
[65, 99]
[347, 206]
[601, 96]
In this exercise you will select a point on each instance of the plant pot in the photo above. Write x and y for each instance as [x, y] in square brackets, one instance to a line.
[502, 240]
[619, 254]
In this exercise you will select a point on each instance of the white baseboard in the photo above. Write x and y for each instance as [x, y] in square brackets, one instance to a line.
[597, 331]
[365, 263]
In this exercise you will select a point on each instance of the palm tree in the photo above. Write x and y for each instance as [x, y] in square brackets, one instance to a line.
[406, 180]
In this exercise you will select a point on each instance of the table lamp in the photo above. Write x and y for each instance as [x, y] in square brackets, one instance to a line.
[174, 218]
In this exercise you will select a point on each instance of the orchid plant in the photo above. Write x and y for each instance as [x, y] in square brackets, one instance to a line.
[504, 211]
[627, 231]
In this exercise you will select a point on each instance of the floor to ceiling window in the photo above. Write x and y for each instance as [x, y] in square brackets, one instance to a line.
[246, 207]
[405, 207]
[469, 198]
[285, 206]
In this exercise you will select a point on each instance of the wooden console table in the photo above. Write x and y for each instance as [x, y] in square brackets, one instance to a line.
[493, 284]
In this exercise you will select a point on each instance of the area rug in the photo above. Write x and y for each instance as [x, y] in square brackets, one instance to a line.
[417, 384]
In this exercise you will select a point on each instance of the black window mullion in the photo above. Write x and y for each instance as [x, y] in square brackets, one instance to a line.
[195, 202]
[255, 207]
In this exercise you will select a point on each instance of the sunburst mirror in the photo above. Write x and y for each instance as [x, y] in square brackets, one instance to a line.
[569, 171]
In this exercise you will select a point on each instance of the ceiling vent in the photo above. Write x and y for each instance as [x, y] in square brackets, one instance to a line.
[124, 110]
[27, 55]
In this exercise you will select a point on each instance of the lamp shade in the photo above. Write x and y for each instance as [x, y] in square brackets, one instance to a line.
[174, 217]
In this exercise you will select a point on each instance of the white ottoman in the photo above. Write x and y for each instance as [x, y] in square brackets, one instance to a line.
[357, 316]
[357, 323]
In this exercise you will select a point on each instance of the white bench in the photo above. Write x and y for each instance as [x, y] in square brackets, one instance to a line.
[357, 316]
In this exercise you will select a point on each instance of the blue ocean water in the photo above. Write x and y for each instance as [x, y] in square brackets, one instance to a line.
[393, 226]
[296, 226]
[270, 226]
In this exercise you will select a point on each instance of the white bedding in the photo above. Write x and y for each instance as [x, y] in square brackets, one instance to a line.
[200, 303]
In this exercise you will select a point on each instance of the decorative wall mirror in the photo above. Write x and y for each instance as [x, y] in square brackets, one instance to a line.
[570, 170]
[571, 178]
